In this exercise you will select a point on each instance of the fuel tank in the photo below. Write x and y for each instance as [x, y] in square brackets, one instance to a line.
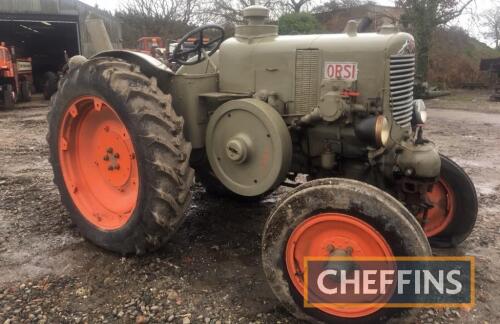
[296, 67]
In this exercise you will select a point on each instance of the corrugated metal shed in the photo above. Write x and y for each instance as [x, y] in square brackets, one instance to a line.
[51, 7]
[63, 10]
[492, 65]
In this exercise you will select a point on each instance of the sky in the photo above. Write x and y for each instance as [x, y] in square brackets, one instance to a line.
[467, 21]
[110, 5]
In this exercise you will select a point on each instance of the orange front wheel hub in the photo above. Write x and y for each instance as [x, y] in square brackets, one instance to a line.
[442, 213]
[98, 163]
[316, 236]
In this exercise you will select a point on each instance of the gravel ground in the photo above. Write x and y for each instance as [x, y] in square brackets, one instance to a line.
[210, 271]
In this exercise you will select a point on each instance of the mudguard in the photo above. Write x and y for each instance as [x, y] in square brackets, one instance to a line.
[150, 66]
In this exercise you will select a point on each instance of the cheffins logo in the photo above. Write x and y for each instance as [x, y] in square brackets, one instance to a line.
[389, 282]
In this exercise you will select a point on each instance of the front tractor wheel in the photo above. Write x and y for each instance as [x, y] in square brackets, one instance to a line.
[119, 157]
[335, 217]
[453, 215]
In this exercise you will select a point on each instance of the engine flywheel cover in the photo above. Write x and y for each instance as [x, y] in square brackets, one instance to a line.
[248, 146]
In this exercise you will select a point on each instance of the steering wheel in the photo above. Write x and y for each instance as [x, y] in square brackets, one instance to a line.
[201, 50]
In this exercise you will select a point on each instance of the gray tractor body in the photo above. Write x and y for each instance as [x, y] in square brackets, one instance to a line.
[330, 92]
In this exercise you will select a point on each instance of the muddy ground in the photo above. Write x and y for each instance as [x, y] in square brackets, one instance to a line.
[210, 271]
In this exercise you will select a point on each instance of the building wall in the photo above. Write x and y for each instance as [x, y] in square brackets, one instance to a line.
[66, 8]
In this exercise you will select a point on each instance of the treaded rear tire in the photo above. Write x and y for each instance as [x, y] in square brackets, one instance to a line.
[162, 153]
[49, 84]
[25, 91]
[8, 100]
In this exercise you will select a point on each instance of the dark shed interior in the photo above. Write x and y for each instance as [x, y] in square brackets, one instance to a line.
[42, 38]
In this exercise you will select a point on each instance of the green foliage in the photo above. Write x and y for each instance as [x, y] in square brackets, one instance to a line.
[298, 23]
[423, 17]
[333, 5]
[454, 58]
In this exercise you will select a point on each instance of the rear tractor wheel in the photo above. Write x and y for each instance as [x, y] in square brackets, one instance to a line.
[9, 97]
[119, 157]
[50, 84]
[25, 94]
[335, 217]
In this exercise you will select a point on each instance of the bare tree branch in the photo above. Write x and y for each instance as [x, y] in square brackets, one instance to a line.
[423, 17]
[490, 21]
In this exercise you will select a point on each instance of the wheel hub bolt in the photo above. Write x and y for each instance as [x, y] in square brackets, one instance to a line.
[110, 150]
[333, 251]
[117, 167]
[106, 158]
[117, 156]
[110, 168]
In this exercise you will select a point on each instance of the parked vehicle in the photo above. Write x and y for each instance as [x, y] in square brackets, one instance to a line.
[16, 77]
[154, 46]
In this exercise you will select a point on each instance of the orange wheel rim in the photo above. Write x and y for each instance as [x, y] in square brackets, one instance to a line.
[314, 236]
[98, 163]
[441, 214]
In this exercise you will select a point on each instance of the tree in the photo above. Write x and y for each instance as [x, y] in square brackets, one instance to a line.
[231, 10]
[491, 23]
[296, 5]
[173, 10]
[422, 17]
[333, 5]
[298, 23]
[166, 18]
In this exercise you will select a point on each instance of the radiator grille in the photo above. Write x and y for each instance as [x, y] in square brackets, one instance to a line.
[402, 78]
[306, 80]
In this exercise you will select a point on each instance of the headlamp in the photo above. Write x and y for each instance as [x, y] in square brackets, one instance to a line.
[419, 112]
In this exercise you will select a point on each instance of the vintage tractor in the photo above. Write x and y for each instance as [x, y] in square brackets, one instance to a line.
[128, 137]
[154, 46]
[16, 77]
